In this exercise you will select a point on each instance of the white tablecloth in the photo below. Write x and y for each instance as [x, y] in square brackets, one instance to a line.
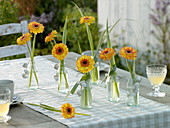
[105, 114]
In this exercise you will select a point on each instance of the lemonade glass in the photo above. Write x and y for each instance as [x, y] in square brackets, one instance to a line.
[5, 95]
[156, 74]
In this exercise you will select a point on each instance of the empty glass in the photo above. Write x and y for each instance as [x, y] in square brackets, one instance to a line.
[156, 74]
[5, 95]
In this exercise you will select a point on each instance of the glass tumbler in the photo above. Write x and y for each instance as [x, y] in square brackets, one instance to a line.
[5, 95]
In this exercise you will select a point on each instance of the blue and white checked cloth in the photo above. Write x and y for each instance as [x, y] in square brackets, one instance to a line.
[105, 114]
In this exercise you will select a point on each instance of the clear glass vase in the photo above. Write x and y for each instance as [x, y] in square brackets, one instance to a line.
[63, 86]
[86, 96]
[95, 75]
[133, 91]
[113, 89]
[31, 73]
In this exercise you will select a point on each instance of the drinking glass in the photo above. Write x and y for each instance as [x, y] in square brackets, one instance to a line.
[5, 95]
[156, 74]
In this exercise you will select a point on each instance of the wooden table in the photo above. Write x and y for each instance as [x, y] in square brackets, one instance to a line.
[24, 117]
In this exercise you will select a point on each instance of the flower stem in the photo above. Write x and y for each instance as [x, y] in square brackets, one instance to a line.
[32, 61]
[116, 89]
[95, 74]
[113, 66]
[90, 38]
[86, 96]
[62, 72]
[60, 75]
[79, 47]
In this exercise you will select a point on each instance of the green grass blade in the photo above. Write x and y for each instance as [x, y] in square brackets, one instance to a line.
[78, 9]
[103, 36]
[74, 88]
[107, 34]
[64, 37]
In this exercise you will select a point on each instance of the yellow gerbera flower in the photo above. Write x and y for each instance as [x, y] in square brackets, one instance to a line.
[35, 27]
[51, 36]
[128, 53]
[60, 51]
[107, 53]
[68, 111]
[87, 19]
[24, 38]
[85, 63]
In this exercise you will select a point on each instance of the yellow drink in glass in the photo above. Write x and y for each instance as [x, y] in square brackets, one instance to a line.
[156, 80]
[4, 107]
[156, 74]
[5, 98]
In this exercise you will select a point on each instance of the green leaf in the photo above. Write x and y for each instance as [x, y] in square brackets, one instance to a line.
[85, 77]
[43, 105]
[107, 34]
[103, 36]
[95, 58]
[64, 38]
[78, 9]
[33, 104]
[74, 88]
[112, 70]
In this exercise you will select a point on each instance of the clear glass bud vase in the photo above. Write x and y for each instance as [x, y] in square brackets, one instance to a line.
[31, 74]
[133, 91]
[113, 89]
[95, 75]
[86, 96]
[63, 86]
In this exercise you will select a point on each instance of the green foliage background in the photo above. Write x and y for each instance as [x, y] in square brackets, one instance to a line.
[11, 10]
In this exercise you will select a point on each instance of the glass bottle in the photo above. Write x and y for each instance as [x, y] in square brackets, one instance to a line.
[113, 88]
[86, 96]
[133, 91]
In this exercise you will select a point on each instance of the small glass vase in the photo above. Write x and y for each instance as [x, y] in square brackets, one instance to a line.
[133, 91]
[62, 78]
[31, 73]
[86, 96]
[113, 89]
[95, 75]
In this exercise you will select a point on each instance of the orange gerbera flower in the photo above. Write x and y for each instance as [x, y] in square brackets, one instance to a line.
[51, 36]
[87, 19]
[107, 53]
[35, 27]
[128, 53]
[68, 111]
[85, 63]
[24, 38]
[60, 51]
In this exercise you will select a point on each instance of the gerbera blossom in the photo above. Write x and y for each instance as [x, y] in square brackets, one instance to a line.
[51, 36]
[128, 53]
[87, 19]
[35, 27]
[24, 38]
[85, 63]
[68, 111]
[107, 53]
[60, 51]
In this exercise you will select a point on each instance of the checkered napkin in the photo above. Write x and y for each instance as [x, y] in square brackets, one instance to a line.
[104, 114]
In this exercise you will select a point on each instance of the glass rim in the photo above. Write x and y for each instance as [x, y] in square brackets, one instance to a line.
[6, 81]
[156, 65]
[4, 91]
